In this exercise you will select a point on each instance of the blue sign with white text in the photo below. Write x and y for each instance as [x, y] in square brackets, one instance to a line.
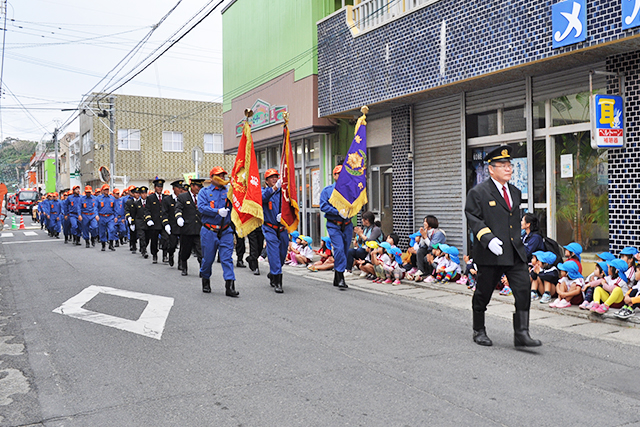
[569, 22]
[630, 14]
[608, 129]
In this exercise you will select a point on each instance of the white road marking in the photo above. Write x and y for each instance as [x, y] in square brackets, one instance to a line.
[30, 241]
[150, 324]
[30, 233]
[6, 235]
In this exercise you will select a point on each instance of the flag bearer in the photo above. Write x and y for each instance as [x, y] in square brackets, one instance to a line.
[276, 236]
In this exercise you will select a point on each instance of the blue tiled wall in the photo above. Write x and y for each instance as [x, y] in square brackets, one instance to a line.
[483, 36]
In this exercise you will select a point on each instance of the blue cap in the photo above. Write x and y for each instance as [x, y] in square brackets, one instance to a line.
[620, 265]
[545, 257]
[327, 241]
[295, 235]
[412, 238]
[451, 250]
[629, 251]
[575, 248]
[571, 268]
[603, 265]
[606, 256]
[307, 239]
[386, 246]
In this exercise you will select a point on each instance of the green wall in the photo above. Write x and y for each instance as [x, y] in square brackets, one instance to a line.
[50, 175]
[263, 39]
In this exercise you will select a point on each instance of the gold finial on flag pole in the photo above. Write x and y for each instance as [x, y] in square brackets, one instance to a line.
[362, 120]
[248, 112]
[364, 110]
[285, 116]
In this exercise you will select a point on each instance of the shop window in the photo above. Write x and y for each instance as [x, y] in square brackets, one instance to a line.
[571, 109]
[262, 159]
[482, 124]
[514, 120]
[313, 151]
[539, 115]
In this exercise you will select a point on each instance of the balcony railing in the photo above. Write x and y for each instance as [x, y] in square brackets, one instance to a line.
[369, 14]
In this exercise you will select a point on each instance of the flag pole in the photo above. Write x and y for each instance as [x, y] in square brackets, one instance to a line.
[285, 116]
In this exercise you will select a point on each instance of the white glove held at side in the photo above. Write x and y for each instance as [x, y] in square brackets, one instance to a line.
[150, 223]
[180, 222]
[343, 215]
[132, 227]
[278, 217]
[495, 246]
[167, 228]
[223, 212]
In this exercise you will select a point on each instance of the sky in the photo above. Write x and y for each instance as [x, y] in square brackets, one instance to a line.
[56, 51]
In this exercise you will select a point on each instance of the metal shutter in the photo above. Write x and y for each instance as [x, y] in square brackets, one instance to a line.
[438, 177]
[567, 82]
[503, 96]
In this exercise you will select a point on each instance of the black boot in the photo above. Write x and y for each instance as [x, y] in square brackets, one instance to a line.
[206, 286]
[278, 284]
[145, 255]
[66, 239]
[88, 245]
[184, 268]
[272, 279]
[78, 241]
[104, 245]
[521, 336]
[117, 243]
[93, 241]
[336, 278]
[111, 248]
[165, 256]
[155, 259]
[256, 272]
[240, 263]
[342, 285]
[170, 260]
[230, 289]
[479, 333]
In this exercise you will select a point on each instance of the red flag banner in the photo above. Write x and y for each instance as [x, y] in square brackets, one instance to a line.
[245, 192]
[289, 203]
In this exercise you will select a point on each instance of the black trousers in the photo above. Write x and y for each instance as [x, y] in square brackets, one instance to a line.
[187, 243]
[489, 276]
[142, 239]
[154, 237]
[170, 243]
[241, 248]
[256, 243]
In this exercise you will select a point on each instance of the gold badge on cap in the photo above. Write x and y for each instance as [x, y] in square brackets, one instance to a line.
[505, 153]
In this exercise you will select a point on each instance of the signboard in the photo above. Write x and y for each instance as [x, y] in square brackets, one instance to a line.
[264, 115]
[568, 22]
[630, 14]
[607, 121]
[566, 166]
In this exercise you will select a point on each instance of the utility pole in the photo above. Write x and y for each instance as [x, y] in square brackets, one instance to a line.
[55, 142]
[112, 140]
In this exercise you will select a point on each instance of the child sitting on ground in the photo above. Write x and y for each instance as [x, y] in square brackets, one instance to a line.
[366, 265]
[572, 253]
[390, 267]
[326, 256]
[304, 254]
[470, 273]
[612, 292]
[449, 270]
[438, 256]
[544, 276]
[631, 299]
[569, 287]
[595, 279]
[410, 263]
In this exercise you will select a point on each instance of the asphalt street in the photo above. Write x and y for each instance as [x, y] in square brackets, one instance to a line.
[311, 356]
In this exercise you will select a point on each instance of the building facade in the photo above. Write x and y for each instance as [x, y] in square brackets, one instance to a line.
[457, 78]
[152, 137]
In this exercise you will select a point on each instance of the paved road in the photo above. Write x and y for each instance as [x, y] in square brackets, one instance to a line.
[312, 356]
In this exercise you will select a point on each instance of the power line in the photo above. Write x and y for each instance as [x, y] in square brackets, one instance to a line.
[4, 36]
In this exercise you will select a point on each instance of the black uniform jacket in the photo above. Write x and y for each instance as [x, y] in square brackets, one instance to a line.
[488, 216]
[153, 211]
[138, 215]
[169, 214]
[187, 209]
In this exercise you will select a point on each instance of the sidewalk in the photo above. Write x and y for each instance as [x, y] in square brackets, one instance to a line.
[458, 296]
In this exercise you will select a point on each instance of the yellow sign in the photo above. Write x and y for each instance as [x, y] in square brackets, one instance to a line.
[606, 111]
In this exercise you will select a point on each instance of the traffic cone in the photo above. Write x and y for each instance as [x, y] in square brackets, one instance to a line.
[14, 226]
[21, 223]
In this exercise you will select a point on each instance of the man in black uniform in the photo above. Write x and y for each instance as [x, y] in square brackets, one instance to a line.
[493, 215]
[153, 217]
[140, 222]
[130, 215]
[169, 221]
[188, 219]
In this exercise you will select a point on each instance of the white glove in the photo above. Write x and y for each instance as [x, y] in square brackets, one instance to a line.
[167, 228]
[223, 212]
[132, 227]
[180, 222]
[279, 183]
[149, 223]
[130, 220]
[343, 215]
[495, 246]
[279, 217]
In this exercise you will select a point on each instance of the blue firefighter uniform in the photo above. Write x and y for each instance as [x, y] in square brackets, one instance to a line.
[55, 212]
[66, 224]
[73, 210]
[340, 232]
[88, 212]
[121, 228]
[106, 219]
[43, 208]
[276, 236]
[216, 233]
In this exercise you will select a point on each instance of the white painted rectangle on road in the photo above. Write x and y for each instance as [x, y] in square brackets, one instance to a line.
[150, 324]
[30, 233]
[6, 235]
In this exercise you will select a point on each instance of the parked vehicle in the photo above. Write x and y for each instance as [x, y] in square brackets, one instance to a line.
[25, 200]
[11, 202]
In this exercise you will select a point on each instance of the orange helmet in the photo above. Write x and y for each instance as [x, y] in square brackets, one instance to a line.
[54, 194]
[166, 192]
[75, 186]
[88, 189]
[96, 192]
[337, 169]
[271, 172]
[105, 187]
[217, 170]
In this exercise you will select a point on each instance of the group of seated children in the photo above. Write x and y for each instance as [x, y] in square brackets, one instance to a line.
[300, 252]
[444, 264]
[614, 283]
